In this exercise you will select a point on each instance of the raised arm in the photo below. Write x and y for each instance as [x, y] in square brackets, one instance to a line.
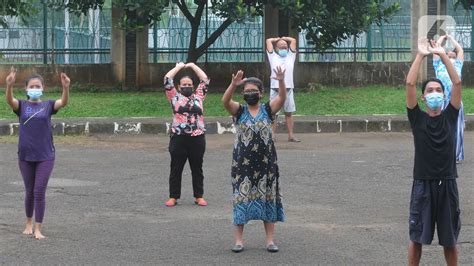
[459, 50]
[453, 75]
[10, 80]
[280, 99]
[175, 70]
[199, 72]
[269, 44]
[65, 81]
[292, 42]
[231, 106]
[440, 41]
[412, 76]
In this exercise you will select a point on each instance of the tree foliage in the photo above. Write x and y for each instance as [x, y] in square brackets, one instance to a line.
[329, 22]
[466, 4]
[325, 22]
[21, 9]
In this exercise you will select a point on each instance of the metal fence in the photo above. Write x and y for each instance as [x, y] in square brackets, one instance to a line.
[169, 39]
[57, 37]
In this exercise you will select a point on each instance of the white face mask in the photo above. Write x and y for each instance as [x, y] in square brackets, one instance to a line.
[452, 60]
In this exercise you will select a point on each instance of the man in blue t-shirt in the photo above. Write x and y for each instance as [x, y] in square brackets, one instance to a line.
[434, 196]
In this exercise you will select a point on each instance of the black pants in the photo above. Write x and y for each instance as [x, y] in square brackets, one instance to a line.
[184, 148]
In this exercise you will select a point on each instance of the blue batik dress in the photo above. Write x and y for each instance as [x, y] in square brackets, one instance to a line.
[255, 176]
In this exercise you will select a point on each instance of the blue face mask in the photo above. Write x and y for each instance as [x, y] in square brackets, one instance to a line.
[283, 53]
[434, 100]
[34, 94]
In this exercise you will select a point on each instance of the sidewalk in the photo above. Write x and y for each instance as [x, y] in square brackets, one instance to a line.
[221, 125]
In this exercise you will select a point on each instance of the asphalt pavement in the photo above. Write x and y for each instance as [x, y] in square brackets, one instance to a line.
[346, 198]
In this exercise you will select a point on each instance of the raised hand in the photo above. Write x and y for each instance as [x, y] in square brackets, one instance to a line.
[180, 65]
[237, 79]
[423, 44]
[11, 77]
[436, 48]
[190, 64]
[279, 73]
[65, 81]
[441, 39]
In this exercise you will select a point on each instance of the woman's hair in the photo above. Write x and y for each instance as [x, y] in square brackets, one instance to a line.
[34, 76]
[255, 81]
[423, 85]
[186, 76]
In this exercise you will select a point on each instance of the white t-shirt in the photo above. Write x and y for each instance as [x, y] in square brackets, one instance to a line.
[287, 63]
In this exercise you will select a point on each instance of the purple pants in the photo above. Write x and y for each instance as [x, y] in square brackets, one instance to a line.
[36, 177]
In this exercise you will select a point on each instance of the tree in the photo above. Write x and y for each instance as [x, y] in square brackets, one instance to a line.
[325, 22]
[21, 9]
[466, 4]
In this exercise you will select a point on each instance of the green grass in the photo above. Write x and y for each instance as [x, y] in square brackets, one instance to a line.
[324, 101]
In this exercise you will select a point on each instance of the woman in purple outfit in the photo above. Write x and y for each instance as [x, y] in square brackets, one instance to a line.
[36, 151]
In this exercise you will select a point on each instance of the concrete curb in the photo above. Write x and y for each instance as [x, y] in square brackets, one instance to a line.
[223, 125]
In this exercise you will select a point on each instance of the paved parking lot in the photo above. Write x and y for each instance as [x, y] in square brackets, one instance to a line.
[346, 199]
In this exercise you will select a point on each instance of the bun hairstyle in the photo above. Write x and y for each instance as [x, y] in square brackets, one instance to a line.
[255, 81]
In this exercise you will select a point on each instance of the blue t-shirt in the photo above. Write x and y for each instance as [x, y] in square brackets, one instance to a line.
[35, 142]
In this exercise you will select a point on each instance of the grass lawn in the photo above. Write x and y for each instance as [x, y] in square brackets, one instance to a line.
[325, 101]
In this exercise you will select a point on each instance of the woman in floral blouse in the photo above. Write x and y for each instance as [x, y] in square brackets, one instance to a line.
[187, 140]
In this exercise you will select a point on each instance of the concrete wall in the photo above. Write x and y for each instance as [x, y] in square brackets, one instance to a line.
[151, 75]
[98, 75]
[328, 74]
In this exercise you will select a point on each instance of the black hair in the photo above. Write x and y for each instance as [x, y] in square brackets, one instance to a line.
[34, 76]
[186, 76]
[423, 85]
[255, 81]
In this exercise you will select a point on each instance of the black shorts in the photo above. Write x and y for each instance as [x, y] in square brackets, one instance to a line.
[435, 202]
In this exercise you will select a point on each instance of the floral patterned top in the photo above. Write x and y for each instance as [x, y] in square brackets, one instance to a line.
[188, 112]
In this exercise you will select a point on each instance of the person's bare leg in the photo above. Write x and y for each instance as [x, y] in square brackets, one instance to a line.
[290, 126]
[269, 230]
[29, 226]
[414, 253]
[451, 255]
[239, 233]
[38, 234]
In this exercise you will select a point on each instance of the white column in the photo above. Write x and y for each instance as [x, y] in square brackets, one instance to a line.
[66, 34]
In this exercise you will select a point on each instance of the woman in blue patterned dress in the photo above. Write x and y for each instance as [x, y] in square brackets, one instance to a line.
[255, 176]
[457, 58]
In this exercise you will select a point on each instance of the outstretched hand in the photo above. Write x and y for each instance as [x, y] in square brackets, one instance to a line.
[279, 73]
[436, 48]
[237, 79]
[423, 45]
[65, 80]
[11, 77]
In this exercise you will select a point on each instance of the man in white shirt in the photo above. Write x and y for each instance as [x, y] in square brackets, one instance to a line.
[279, 55]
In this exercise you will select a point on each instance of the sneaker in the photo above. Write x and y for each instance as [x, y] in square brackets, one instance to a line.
[171, 202]
[200, 202]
